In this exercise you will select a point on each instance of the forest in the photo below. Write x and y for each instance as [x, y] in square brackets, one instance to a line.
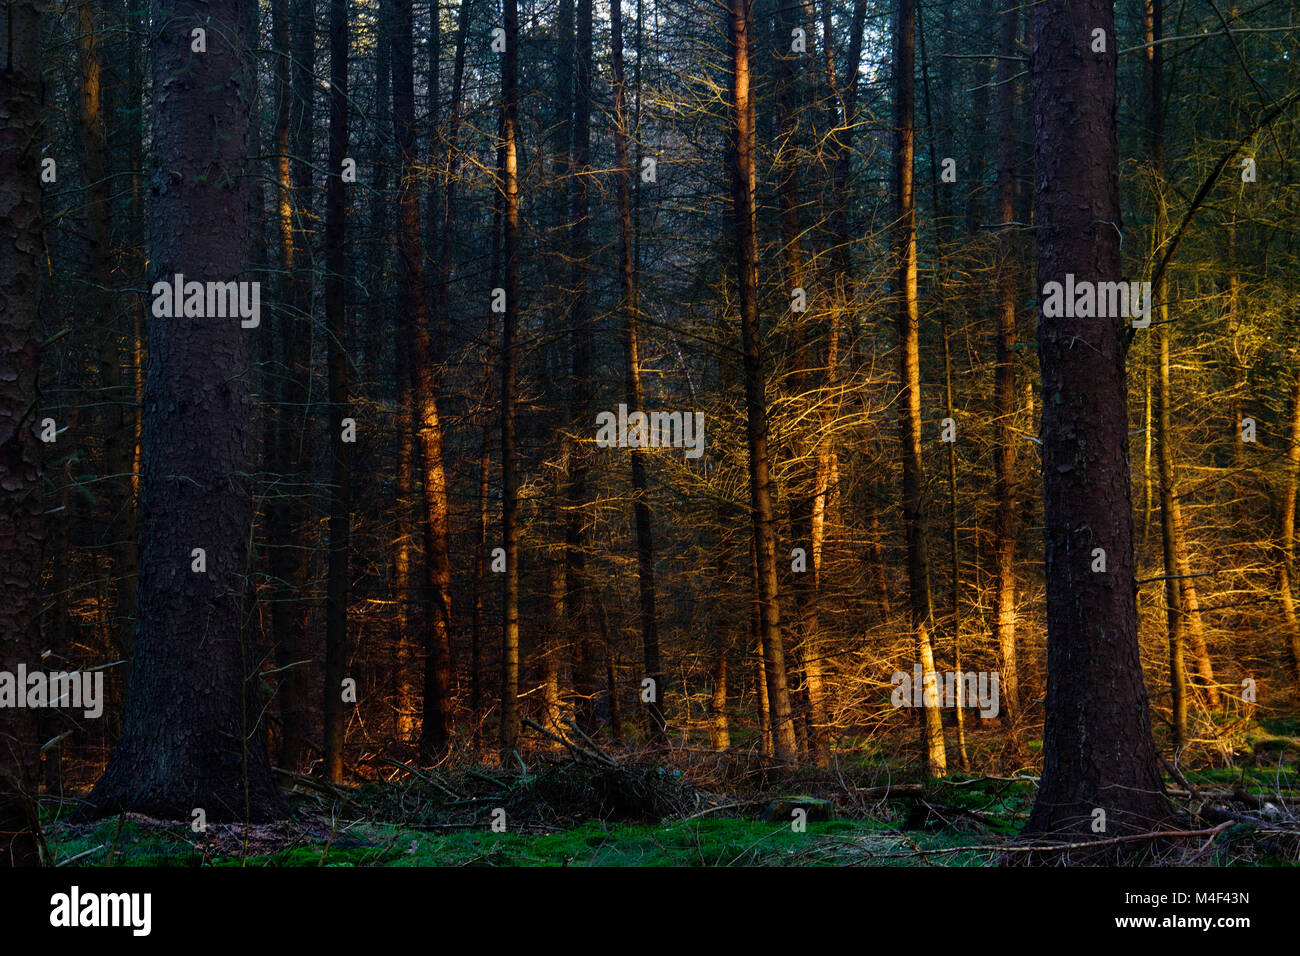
[649, 432]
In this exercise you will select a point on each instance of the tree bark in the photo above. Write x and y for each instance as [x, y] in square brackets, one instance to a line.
[192, 737]
[284, 513]
[1286, 543]
[909, 367]
[340, 515]
[1004, 388]
[807, 502]
[645, 553]
[436, 728]
[509, 466]
[740, 38]
[578, 494]
[21, 501]
[1097, 747]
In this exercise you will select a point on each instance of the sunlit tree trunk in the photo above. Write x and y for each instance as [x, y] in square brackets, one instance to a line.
[909, 322]
[807, 503]
[436, 727]
[509, 466]
[1004, 388]
[743, 174]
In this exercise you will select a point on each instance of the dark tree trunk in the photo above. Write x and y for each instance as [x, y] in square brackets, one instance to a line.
[976, 159]
[1286, 538]
[21, 503]
[578, 494]
[510, 329]
[452, 160]
[192, 738]
[340, 516]
[645, 553]
[284, 514]
[1097, 747]
[97, 89]
[436, 730]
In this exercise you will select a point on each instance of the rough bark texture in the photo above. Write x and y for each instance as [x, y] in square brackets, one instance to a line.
[1098, 752]
[21, 503]
[191, 737]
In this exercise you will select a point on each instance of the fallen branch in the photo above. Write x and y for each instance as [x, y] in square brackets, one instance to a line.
[899, 790]
[1087, 844]
[318, 785]
[591, 743]
[578, 752]
[726, 806]
[84, 853]
[427, 778]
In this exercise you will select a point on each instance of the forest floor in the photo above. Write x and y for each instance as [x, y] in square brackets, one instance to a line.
[587, 807]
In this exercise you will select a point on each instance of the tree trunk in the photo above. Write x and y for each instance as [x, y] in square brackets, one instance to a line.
[453, 168]
[578, 494]
[954, 551]
[1004, 388]
[635, 401]
[509, 477]
[101, 312]
[743, 174]
[21, 501]
[284, 514]
[436, 728]
[1182, 606]
[975, 162]
[719, 730]
[340, 515]
[809, 496]
[909, 323]
[1097, 747]
[1286, 544]
[192, 738]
